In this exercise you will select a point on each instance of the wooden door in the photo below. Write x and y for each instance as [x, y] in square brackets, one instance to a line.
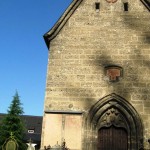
[112, 138]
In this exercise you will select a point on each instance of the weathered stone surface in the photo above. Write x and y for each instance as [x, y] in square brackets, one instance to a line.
[91, 41]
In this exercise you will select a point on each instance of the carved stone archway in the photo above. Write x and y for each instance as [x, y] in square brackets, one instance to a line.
[113, 110]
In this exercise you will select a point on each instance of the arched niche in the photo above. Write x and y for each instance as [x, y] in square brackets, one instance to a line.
[113, 110]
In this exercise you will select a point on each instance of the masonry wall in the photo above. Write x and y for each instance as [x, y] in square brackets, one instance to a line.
[92, 40]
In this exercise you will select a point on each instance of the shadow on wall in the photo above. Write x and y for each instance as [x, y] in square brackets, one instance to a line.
[139, 56]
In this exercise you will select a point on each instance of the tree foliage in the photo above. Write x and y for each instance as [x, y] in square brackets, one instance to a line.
[12, 122]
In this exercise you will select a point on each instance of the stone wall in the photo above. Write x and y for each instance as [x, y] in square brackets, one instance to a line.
[92, 40]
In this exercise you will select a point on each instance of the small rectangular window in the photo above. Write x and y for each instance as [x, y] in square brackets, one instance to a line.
[97, 6]
[125, 6]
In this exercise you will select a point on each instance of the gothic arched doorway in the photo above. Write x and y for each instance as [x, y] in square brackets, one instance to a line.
[113, 124]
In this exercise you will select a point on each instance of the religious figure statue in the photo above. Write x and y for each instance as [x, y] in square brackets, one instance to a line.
[31, 146]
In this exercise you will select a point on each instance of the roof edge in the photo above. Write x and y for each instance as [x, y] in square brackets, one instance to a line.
[52, 33]
[146, 3]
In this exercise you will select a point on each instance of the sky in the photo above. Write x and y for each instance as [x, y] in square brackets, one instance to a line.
[23, 52]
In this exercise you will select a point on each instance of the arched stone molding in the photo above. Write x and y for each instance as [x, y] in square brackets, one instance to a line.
[113, 110]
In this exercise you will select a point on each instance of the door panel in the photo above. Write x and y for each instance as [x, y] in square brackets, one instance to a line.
[112, 138]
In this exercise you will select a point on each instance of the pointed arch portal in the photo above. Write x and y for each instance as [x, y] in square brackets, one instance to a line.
[113, 124]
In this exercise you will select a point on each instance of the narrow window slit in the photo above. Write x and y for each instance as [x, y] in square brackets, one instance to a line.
[97, 6]
[125, 6]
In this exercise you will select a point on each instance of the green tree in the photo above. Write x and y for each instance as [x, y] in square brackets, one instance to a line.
[12, 122]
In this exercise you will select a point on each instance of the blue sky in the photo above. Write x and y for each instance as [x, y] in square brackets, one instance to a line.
[23, 52]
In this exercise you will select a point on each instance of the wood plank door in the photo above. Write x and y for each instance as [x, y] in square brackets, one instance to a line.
[112, 138]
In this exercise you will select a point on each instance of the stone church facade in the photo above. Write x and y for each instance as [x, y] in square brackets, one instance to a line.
[98, 77]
